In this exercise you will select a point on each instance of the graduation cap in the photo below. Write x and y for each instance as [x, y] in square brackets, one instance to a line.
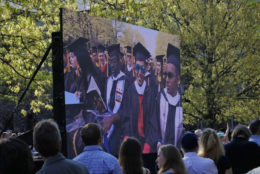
[101, 49]
[173, 56]
[114, 51]
[159, 58]
[79, 48]
[128, 49]
[141, 53]
[77, 44]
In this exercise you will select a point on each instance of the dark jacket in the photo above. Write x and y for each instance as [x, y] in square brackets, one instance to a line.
[58, 164]
[243, 155]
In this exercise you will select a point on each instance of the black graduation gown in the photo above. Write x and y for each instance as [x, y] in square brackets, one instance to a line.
[160, 85]
[130, 76]
[130, 111]
[116, 137]
[71, 81]
[151, 80]
[170, 124]
[74, 143]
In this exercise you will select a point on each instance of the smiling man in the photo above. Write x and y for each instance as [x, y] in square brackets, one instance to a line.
[139, 103]
[168, 107]
[116, 86]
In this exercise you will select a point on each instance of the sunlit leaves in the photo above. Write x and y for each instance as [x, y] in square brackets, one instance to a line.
[25, 32]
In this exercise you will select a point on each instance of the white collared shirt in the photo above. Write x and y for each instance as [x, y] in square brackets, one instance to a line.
[173, 100]
[129, 67]
[147, 74]
[198, 165]
[140, 89]
[163, 117]
[118, 76]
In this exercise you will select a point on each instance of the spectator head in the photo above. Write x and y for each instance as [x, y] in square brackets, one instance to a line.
[223, 138]
[130, 156]
[241, 131]
[15, 157]
[169, 158]
[221, 135]
[210, 145]
[91, 134]
[255, 127]
[198, 132]
[189, 142]
[47, 138]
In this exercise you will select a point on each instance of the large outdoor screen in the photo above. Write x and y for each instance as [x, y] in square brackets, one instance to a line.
[123, 77]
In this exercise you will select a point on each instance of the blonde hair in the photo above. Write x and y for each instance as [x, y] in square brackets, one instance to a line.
[210, 145]
[173, 160]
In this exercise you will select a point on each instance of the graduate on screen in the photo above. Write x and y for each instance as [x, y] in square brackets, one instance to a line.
[102, 58]
[159, 72]
[79, 77]
[73, 71]
[116, 86]
[139, 104]
[129, 64]
[168, 102]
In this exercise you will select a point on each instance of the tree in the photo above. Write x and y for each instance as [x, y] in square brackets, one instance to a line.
[25, 32]
[97, 30]
[219, 50]
[219, 45]
[163, 38]
[130, 36]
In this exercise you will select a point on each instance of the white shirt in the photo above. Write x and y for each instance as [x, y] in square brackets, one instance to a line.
[254, 171]
[140, 89]
[129, 67]
[198, 165]
[163, 117]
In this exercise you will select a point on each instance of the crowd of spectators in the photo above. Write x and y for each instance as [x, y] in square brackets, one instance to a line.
[205, 151]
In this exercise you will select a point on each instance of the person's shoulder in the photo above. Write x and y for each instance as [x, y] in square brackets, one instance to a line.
[253, 147]
[80, 156]
[205, 161]
[146, 171]
[252, 144]
[111, 162]
[69, 162]
[228, 145]
[208, 164]
[254, 171]
[72, 162]
[108, 156]
[41, 171]
[76, 165]
[63, 166]
[131, 89]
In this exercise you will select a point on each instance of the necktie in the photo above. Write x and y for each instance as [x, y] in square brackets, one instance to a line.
[112, 96]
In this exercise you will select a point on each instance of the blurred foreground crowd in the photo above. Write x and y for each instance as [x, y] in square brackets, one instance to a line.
[202, 152]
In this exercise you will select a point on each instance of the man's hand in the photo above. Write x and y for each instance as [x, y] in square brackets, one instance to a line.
[80, 114]
[107, 123]
[78, 94]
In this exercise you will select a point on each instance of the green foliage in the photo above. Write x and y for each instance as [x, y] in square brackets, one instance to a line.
[25, 32]
[219, 50]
